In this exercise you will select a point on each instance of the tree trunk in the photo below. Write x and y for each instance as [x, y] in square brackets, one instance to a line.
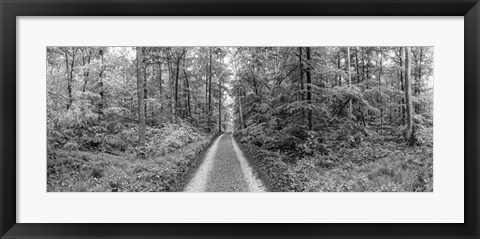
[349, 81]
[86, 72]
[338, 66]
[419, 80]
[102, 87]
[409, 135]
[140, 92]
[219, 105]
[368, 71]
[176, 84]
[241, 107]
[205, 108]
[255, 87]
[69, 69]
[309, 92]
[145, 89]
[210, 86]
[356, 63]
[187, 107]
[302, 95]
[402, 86]
[363, 65]
[301, 73]
[379, 84]
[160, 86]
[67, 73]
[172, 85]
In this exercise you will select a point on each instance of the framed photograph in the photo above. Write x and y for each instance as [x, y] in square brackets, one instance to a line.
[239, 119]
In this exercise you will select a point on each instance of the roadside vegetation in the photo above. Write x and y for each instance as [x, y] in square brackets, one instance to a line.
[376, 161]
[337, 119]
[112, 162]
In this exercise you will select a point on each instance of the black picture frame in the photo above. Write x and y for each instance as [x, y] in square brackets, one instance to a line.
[10, 9]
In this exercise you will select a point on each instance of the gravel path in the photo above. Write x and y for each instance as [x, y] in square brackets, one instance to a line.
[224, 169]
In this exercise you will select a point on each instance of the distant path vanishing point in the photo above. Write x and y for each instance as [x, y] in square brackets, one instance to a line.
[225, 169]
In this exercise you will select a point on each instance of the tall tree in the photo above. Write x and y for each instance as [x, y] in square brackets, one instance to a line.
[172, 86]
[380, 75]
[160, 85]
[309, 90]
[402, 84]
[338, 67]
[187, 89]
[178, 60]
[69, 69]
[409, 134]
[101, 75]
[300, 61]
[205, 109]
[356, 64]
[240, 111]
[349, 81]
[210, 83]
[86, 71]
[145, 85]
[220, 94]
[140, 92]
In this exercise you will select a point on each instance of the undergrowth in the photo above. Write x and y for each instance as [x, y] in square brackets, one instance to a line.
[113, 162]
[345, 158]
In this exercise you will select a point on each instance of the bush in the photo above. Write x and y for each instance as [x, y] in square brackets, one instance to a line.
[100, 172]
[255, 134]
[275, 173]
[423, 135]
[282, 142]
[169, 138]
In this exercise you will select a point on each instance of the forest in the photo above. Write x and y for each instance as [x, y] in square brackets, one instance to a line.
[307, 119]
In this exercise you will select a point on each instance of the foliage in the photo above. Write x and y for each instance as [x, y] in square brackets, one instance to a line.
[273, 171]
[341, 164]
[72, 170]
[388, 171]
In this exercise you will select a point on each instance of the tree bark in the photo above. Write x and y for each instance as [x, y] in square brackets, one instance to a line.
[160, 86]
[187, 107]
[302, 95]
[241, 107]
[357, 67]
[402, 86]
[409, 135]
[368, 71]
[172, 85]
[86, 72]
[219, 105]
[301, 73]
[69, 69]
[210, 85]
[100, 78]
[205, 108]
[419, 80]
[309, 92]
[349, 81]
[140, 92]
[145, 88]
[363, 65]
[338, 66]
[176, 83]
[379, 84]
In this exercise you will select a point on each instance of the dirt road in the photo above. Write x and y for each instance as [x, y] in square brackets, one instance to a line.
[225, 169]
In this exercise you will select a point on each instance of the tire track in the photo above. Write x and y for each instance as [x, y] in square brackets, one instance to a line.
[225, 169]
[199, 181]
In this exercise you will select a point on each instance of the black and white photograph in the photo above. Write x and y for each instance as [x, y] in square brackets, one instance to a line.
[239, 119]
